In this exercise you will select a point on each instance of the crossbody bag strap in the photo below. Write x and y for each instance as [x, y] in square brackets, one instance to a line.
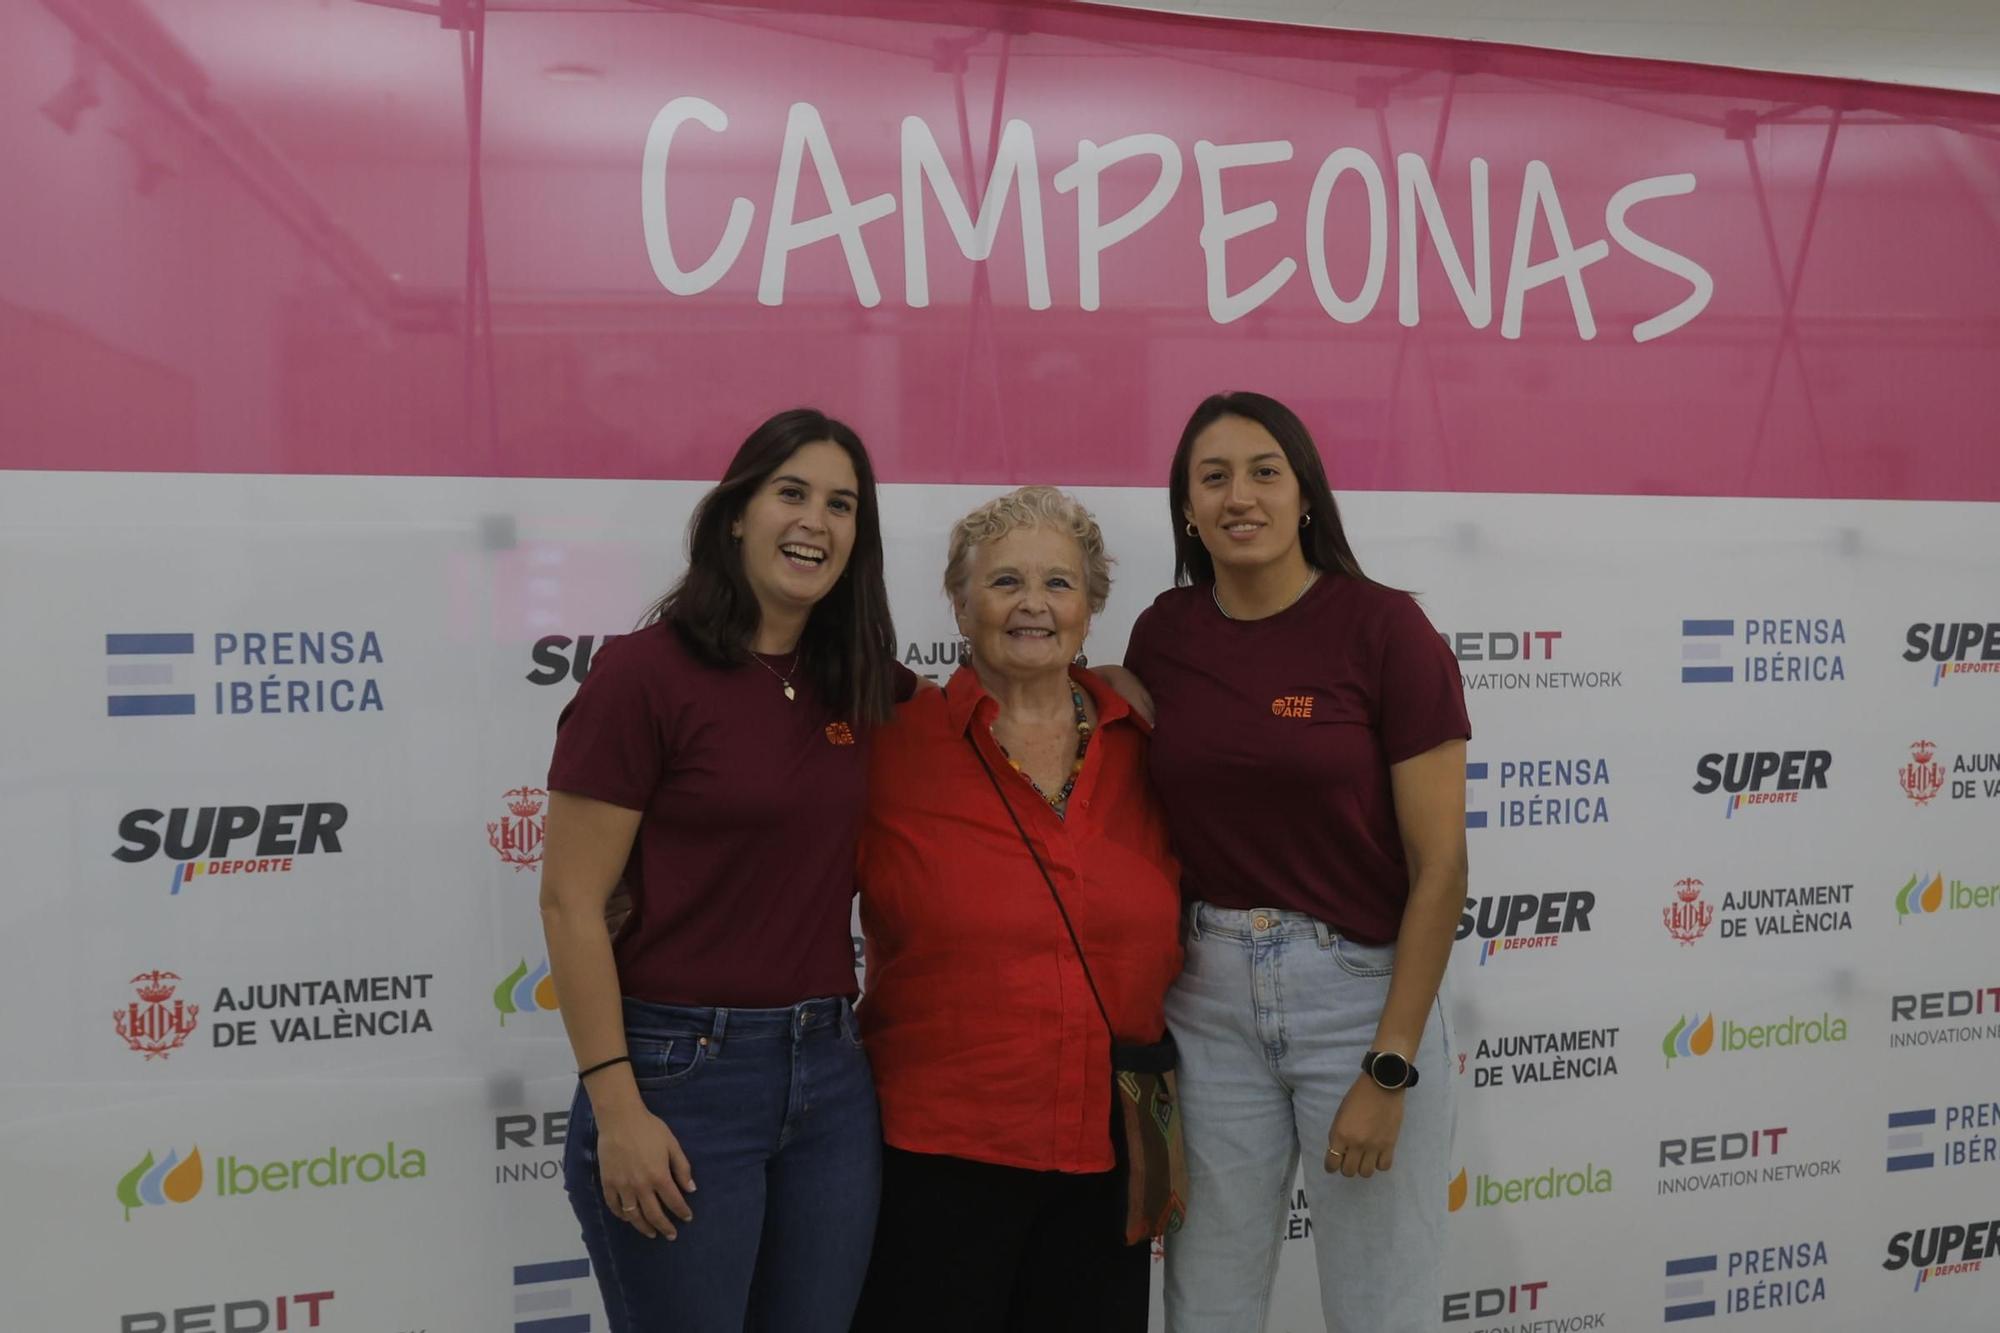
[1029, 843]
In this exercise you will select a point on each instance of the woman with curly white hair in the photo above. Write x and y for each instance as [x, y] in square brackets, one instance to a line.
[1020, 906]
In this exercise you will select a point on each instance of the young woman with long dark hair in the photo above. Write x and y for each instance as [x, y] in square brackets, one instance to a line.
[1310, 754]
[715, 762]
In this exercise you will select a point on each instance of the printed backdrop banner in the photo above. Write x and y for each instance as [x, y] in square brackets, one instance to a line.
[361, 365]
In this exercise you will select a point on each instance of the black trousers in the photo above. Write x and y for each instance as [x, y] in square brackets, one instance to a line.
[976, 1248]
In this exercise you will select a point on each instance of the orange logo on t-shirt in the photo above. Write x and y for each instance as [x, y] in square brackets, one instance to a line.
[1292, 705]
[839, 733]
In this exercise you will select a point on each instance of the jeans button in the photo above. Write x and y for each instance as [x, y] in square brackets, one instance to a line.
[1262, 922]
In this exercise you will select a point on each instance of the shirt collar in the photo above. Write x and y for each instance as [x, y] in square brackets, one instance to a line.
[964, 697]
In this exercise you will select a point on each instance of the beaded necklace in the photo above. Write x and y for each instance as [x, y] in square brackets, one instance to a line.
[1060, 801]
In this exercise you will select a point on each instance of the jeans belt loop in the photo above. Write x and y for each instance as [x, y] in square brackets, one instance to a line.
[716, 1031]
[1325, 935]
[1194, 921]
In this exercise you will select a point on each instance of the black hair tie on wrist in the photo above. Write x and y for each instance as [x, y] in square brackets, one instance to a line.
[604, 1064]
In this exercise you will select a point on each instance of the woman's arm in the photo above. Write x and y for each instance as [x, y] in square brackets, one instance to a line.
[1429, 791]
[584, 849]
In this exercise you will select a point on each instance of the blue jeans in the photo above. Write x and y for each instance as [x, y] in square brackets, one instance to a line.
[777, 1116]
[1273, 1014]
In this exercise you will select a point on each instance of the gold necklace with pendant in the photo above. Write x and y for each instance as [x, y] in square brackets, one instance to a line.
[784, 678]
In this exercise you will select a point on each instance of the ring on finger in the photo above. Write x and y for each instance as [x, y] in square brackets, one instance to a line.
[1335, 1152]
[628, 1208]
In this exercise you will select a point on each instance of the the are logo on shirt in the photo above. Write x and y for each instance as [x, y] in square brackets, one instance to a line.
[839, 733]
[1292, 705]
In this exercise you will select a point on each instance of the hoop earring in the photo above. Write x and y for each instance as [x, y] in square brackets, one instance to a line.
[1306, 522]
[1189, 529]
[1080, 659]
[964, 649]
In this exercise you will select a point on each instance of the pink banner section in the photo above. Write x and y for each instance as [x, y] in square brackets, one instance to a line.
[1006, 241]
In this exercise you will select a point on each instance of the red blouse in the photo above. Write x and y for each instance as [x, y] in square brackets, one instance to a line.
[981, 1029]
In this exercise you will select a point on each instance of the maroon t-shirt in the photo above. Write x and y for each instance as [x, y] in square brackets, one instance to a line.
[1275, 738]
[742, 873]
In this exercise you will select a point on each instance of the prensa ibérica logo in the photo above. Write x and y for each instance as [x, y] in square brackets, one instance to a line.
[242, 673]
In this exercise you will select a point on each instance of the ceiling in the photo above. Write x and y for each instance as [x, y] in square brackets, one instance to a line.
[1935, 43]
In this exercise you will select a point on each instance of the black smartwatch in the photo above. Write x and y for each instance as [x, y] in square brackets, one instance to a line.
[1390, 1071]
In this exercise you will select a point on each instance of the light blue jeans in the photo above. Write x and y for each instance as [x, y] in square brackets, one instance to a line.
[1273, 1014]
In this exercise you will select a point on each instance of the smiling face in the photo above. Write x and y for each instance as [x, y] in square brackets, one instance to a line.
[797, 531]
[1025, 608]
[1243, 497]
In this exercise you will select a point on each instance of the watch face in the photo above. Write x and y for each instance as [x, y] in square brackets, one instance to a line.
[1390, 1070]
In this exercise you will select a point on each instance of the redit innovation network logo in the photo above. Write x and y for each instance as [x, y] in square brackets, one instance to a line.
[1533, 1303]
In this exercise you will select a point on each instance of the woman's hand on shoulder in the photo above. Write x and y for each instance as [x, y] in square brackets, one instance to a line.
[1130, 688]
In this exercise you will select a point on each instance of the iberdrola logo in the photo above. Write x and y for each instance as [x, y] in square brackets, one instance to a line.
[1556, 1183]
[1706, 1032]
[1919, 899]
[1689, 1038]
[526, 992]
[156, 1184]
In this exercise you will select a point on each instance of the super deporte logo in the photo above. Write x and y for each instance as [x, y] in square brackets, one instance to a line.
[242, 673]
[1950, 1249]
[1524, 921]
[1955, 649]
[1761, 777]
[561, 657]
[230, 839]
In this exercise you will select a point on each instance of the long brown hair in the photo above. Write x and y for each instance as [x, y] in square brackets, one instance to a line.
[1324, 540]
[849, 640]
